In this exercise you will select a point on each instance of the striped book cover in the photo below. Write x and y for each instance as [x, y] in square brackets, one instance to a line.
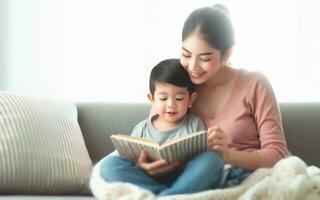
[181, 149]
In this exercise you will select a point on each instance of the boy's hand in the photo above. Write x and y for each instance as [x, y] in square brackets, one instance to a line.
[155, 168]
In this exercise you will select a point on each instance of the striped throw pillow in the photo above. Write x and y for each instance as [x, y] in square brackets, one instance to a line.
[42, 150]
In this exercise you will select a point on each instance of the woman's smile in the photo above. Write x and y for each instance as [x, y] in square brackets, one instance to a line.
[196, 74]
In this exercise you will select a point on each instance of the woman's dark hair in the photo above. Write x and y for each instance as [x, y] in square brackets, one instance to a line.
[214, 25]
[170, 71]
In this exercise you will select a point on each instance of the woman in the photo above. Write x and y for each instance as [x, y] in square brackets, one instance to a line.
[238, 107]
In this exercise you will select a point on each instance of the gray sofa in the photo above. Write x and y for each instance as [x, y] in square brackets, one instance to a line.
[301, 123]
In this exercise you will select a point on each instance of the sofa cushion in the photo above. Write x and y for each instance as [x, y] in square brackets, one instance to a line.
[42, 150]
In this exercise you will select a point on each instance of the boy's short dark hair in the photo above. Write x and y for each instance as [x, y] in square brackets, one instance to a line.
[172, 72]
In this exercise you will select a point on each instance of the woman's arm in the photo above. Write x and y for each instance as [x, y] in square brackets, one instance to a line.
[266, 115]
[243, 159]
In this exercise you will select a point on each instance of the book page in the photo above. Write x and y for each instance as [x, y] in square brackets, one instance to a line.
[135, 139]
[187, 137]
[131, 147]
[185, 148]
[182, 149]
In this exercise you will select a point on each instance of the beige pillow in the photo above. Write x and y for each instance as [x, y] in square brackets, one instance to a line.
[42, 150]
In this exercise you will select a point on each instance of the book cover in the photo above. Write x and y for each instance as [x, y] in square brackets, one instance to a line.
[181, 149]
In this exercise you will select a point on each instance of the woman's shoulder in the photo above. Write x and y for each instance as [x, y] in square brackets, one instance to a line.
[254, 83]
[252, 78]
[251, 75]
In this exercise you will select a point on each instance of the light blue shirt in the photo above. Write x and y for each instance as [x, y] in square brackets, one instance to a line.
[188, 125]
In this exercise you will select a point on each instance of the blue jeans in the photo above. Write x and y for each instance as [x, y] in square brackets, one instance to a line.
[203, 172]
[234, 176]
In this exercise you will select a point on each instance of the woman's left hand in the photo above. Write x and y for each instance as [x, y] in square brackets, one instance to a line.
[218, 141]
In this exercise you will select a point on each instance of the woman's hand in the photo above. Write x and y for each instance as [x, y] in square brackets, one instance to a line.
[218, 141]
[155, 168]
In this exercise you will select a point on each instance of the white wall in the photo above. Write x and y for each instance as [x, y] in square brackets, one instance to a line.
[97, 50]
[36, 47]
[3, 45]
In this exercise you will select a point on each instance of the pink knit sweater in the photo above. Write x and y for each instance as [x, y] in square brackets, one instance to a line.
[251, 118]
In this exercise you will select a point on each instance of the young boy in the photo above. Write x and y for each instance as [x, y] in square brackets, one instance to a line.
[171, 94]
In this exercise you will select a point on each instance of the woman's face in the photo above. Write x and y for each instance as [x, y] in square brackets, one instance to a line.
[200, 60]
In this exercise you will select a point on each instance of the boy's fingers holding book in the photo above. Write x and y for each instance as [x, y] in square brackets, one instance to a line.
[155, 165]
[164, 169]
[158, 167]
[152, 167]
[143, 157]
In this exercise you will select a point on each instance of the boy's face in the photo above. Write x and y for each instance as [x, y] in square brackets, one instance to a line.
[171, 102]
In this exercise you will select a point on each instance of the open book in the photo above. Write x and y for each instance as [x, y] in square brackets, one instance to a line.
[181, 149]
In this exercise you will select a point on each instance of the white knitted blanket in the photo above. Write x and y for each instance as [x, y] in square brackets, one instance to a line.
[290, 179]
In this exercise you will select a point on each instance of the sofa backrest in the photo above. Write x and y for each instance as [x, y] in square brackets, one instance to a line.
[301, 122]
[99, 120]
